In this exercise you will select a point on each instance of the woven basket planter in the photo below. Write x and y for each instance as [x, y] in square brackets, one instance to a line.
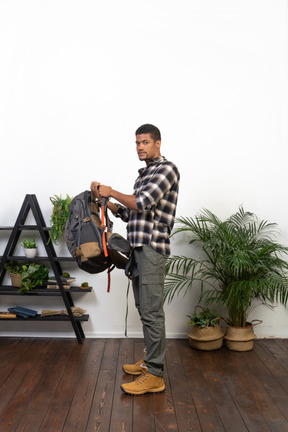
[206, 338]
[240, 338]
[16, 280]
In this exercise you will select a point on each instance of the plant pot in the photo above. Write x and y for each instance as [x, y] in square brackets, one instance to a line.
[16, 280]
[206, 338]
[240, 338]
[30, 253]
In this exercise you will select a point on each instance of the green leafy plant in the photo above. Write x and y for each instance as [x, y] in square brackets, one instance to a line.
[241, 262]
[206, 318]
[13, 267]
[32, 276]
[84, 284]
[59, 217]
[29, 244]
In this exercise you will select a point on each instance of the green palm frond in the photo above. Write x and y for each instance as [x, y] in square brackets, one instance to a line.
[242, 261]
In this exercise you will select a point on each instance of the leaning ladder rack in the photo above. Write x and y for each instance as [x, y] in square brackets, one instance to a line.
[31, 203]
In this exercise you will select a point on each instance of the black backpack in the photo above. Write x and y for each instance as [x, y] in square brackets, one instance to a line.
[89, 237]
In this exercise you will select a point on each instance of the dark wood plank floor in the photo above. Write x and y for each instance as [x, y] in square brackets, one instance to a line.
[57, 385]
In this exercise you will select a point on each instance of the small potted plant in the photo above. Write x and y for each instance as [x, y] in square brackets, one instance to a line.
[30, 248]
[27, 276]
[33, 275]
[205, 333]
[14, 269]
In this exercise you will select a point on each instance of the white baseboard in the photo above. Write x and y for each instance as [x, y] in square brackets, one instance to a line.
[261, 333]
[89, 335]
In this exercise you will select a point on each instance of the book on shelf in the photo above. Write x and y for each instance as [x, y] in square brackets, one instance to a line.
[56, 286]
[22, 311]
[7, 314]
[63, 280]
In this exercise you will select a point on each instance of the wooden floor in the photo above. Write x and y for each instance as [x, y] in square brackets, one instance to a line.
[57, 385]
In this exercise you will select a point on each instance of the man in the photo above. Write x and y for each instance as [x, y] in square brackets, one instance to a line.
[149, 213]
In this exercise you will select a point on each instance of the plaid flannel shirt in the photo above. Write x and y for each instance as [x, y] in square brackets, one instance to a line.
[156, 191]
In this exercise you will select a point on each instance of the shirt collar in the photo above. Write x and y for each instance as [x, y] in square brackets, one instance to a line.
[153, 161]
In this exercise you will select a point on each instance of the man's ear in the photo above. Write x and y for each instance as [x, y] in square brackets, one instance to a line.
[158, 144]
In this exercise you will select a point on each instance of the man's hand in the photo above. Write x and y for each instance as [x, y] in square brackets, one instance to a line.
[95, 189]
[105, 191]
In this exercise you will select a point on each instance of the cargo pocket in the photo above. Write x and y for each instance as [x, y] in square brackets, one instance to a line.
[152, 279]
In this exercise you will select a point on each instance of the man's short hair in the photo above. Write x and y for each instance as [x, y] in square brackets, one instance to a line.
[149, 129]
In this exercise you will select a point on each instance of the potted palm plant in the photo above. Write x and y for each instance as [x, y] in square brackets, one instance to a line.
[241, 261]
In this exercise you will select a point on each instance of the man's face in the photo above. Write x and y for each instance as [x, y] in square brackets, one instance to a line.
[147, 148]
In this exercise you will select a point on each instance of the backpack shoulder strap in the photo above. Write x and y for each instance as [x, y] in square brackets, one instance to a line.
[104, 217]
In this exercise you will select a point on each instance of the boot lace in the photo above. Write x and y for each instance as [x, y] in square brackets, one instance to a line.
[142, 378]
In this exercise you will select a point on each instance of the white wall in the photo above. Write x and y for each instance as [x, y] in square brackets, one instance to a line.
[78, 78]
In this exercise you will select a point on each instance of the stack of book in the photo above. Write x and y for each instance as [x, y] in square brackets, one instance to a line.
[22, 312]
[52, 282]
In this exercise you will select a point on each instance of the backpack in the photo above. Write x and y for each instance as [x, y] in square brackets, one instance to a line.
[89, 237]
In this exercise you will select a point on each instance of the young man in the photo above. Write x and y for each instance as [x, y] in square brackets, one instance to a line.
[149, 213]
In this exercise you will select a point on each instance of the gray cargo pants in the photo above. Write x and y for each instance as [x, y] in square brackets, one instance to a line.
[148, 293]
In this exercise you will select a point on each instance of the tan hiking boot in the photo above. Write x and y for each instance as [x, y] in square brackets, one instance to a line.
[134, 369]
[146, 383]
[137, 368]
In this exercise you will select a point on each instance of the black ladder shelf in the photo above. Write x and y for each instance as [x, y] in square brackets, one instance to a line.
[31, 203]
